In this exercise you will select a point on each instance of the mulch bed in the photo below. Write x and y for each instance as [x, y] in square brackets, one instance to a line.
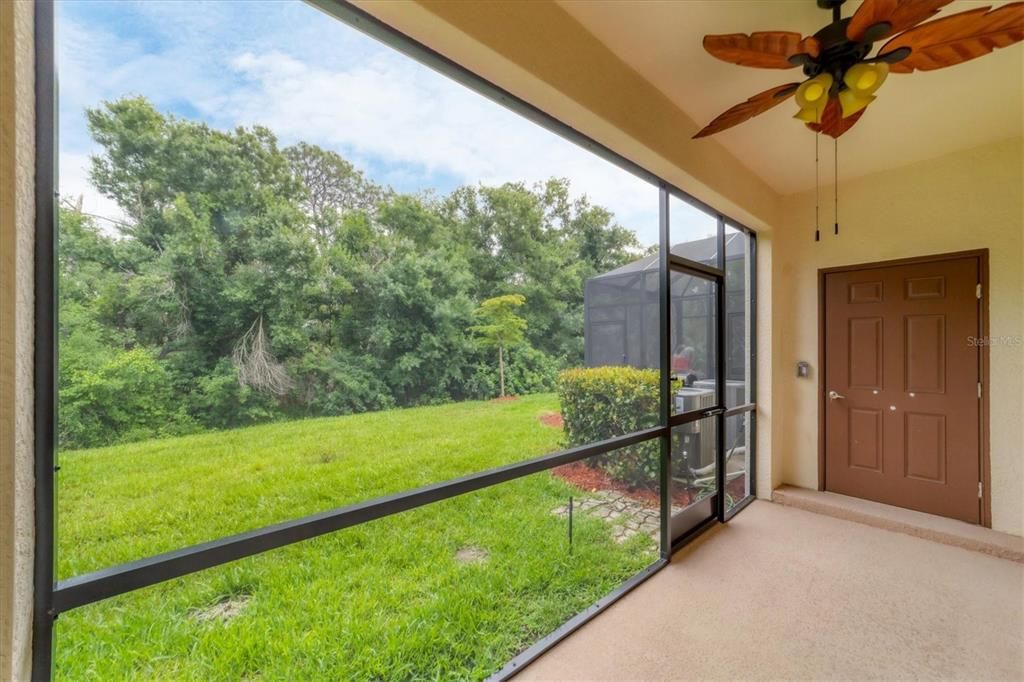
[505, 399]
[736, 488]
[594, 479]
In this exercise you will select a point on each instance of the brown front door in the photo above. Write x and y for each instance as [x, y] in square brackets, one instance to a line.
[902, 386]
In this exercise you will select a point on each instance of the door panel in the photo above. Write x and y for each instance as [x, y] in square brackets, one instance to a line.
[925, 448]
[902, 425]
[865, 439]
[694, 340]
[865, 353]
[924, 353]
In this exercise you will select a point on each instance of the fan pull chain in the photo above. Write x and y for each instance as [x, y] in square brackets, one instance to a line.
[817, 193]
[835, 172]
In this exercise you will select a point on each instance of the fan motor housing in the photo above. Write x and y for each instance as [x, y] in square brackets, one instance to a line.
[838, 52]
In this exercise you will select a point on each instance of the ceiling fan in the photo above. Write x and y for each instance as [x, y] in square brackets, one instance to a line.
[841, 78]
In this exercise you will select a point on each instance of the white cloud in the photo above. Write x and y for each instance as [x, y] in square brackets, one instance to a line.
[75, 187]
[394, 111]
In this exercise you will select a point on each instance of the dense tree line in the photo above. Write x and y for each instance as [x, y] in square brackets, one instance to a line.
[251, 282]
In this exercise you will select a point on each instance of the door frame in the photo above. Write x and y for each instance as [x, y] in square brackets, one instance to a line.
[692, 519]
[981, 255]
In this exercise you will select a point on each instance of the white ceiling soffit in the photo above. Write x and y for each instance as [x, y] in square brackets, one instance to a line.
[916, 116]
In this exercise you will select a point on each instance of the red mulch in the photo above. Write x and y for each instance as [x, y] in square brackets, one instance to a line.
[594, 479]
[552, 419]
[736, 487]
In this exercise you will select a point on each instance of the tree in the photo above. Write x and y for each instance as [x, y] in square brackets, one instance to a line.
[537, 241]
[215, 235]
[333, 189]
[501, 327]
[246, 282]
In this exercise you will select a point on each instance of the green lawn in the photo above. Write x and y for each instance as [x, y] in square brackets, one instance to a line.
[448, 591]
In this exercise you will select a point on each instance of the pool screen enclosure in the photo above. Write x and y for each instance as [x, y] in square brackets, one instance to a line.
[682, 311]
[621, 311]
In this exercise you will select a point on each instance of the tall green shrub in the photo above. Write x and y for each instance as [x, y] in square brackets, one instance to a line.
[603, 402]
[124, 399]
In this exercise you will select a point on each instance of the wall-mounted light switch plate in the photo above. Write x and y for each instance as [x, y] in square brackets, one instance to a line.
[803, 369]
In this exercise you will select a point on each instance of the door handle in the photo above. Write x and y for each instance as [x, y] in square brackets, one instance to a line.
[832, 395]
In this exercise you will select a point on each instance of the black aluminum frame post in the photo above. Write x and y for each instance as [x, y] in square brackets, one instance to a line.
[752, 358]
[665, 363]
[720, 477]
[45, 361]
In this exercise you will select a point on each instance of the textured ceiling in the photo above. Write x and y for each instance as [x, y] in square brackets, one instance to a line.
[916, 116]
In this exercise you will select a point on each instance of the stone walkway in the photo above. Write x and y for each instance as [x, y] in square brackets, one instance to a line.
[626, 516]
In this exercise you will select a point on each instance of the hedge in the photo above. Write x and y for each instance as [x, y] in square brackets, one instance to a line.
[603, 402]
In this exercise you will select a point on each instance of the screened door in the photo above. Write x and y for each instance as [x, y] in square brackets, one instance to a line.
[695, 356]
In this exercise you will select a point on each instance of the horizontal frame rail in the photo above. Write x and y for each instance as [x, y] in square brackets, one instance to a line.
[696, 415]
[678, 263]
[110, 582]
[740, 409]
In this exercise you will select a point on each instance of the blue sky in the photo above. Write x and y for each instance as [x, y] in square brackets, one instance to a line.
[307, 76]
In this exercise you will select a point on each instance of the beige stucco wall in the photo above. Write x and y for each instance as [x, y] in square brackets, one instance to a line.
[968, 200]
[17, 137]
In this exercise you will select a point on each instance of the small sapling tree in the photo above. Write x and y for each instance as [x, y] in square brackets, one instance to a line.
[500, 327]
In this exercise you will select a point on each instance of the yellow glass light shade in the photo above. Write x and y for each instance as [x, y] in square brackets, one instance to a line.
[809, 115]
[861, 81]
[851, 102]
[864, 79]
[813, 93]
[812, 96]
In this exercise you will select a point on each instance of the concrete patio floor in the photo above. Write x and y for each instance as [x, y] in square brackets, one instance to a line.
[785, 593]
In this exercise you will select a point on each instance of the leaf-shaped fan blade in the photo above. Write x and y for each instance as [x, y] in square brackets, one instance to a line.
[832, 121]
[958, 38]
[758, 104]
[764, 49]
[899, 14]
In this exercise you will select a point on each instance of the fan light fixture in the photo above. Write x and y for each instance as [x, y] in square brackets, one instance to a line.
[857, 53]
[812, 96]
[843, 70]
[861, 81]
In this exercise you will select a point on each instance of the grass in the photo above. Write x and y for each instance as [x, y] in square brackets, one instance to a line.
[391, 599]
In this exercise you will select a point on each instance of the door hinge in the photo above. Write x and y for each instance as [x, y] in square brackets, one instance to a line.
[977, 290]
[980, 489]
[979, 389]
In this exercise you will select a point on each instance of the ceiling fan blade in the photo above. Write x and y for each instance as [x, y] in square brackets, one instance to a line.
[763, 49]
[892, 57]
[758, 104]
[958, 38]
[832, 122]
[899, 14]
